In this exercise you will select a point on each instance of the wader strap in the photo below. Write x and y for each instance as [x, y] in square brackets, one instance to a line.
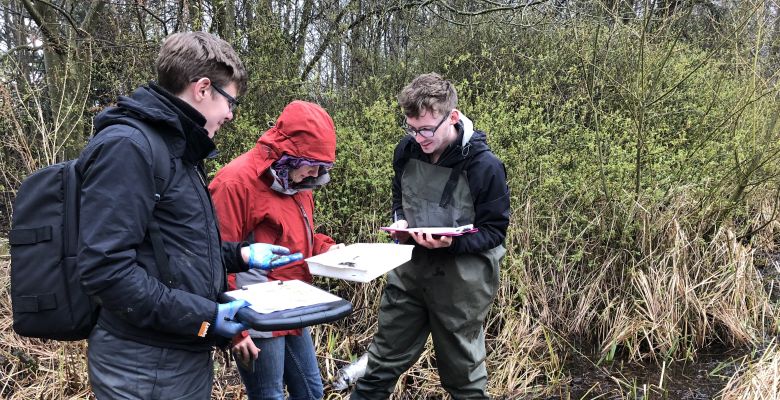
[452, 182]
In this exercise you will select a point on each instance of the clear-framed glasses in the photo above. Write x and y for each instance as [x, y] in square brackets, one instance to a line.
[232, 101]
[426, 132]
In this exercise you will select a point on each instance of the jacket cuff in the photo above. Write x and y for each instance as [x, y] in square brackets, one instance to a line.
[243, 266]
[454, 248]
[207, 327]
[398, 215]
[240, 337]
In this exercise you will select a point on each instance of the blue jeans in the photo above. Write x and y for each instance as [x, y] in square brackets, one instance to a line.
[284, 360]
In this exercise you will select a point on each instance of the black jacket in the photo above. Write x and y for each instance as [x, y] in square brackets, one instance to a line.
[117, 201]
[487, 181]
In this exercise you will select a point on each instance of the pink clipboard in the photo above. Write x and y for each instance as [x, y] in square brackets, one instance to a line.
[444, 231]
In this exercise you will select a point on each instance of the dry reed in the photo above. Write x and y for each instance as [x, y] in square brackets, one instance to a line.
[758, 379]
[658, 293]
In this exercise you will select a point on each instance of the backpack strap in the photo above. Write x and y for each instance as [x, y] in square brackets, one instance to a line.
[161, 162]
[162, 165]
[161, 157]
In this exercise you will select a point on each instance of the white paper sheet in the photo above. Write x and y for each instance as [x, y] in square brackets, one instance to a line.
[360, 262]
[268, 297]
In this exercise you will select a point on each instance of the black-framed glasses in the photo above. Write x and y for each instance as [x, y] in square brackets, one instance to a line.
[232, 101]
[426, 132]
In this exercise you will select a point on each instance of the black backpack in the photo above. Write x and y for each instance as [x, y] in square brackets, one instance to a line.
[46, 295]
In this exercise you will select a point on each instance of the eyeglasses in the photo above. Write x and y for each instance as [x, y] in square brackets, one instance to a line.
[425, 131]
[231, 100]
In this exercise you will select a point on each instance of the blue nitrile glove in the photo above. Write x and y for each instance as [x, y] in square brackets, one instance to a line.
[226, 325]
[268, 256]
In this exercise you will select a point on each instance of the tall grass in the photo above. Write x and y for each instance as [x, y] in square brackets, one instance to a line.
[756, 379]
[644, 278]
[664, 306]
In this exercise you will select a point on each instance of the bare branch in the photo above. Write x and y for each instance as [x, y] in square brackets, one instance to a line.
[336, 31]
[142, 6]
[13, 50]
[65, 14]
[93, 10]
[53, 38]
[496, 7]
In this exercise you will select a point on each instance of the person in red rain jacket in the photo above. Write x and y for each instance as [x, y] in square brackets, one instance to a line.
[265, 195]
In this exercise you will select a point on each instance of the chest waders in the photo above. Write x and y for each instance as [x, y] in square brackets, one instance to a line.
[438, 293]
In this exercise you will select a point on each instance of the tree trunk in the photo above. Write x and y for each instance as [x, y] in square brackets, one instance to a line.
[67, 56]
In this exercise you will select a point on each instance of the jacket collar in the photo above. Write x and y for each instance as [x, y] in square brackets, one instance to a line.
[181, 125]
[198, 145]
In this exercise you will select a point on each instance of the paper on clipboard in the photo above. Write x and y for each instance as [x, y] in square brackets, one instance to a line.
[268, 297]
[445, 231]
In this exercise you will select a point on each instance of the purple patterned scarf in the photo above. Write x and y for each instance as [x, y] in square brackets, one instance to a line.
[287, 163]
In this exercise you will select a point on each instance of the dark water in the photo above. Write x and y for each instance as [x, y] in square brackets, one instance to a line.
[701, 379]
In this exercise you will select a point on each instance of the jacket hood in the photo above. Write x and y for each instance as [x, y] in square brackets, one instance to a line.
[303, 130]
[468, 129]
[174, 117]
[143, 104]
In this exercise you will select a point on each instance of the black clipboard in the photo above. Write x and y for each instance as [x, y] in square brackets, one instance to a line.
[293, 318]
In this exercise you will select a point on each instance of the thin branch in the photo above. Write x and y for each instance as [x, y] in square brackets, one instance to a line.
[335, 31]
[93, 10]
[19, 48]
[65, 14]
[497, 7]
[36, 16]
[299, 37]
[701, 63]
[749, 235]
[140, 4]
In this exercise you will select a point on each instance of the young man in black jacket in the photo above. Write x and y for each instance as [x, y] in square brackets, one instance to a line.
[445, 176]
[153, 340]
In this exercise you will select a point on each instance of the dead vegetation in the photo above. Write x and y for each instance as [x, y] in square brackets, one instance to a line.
[665, 303]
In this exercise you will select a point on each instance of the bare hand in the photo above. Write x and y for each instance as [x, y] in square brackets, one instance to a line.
[431, 241]
[400, 237]
[246, 351]
[337, 246]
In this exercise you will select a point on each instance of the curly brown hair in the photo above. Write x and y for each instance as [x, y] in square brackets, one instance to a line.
[428, 93]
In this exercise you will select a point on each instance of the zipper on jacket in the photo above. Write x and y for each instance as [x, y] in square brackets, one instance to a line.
[200, 175]
[214, 221]
[309, 232]
[219, 234]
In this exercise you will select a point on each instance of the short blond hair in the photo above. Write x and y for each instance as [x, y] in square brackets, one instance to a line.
[428, 93]
[188, 56]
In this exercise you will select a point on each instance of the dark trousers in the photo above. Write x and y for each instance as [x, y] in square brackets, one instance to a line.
[404, 325]
[123, 369]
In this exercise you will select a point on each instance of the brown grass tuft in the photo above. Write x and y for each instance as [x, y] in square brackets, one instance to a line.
[758, 379]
